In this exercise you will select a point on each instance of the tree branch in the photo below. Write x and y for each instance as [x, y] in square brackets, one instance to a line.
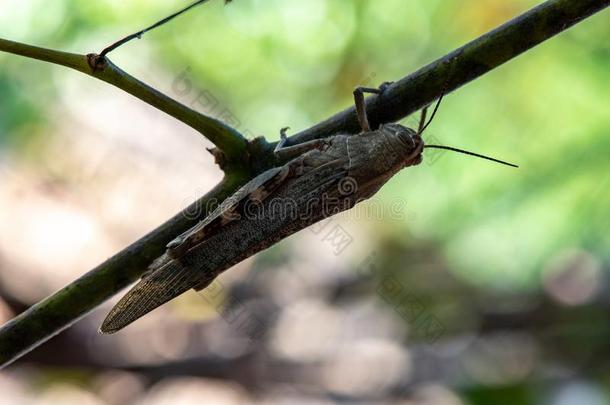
[224, 137]
[52, 315]
[459, 67]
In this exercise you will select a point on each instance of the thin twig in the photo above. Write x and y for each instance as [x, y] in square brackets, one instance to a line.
[226, 138]
[139, 34]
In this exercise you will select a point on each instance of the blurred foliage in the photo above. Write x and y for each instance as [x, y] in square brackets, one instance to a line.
[276, 63]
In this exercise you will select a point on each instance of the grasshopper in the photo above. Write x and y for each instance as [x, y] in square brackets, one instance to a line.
[323, 177]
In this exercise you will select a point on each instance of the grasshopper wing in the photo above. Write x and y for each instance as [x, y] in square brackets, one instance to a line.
[171, 279]
[256, 190]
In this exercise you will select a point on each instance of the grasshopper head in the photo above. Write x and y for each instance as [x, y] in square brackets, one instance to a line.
[408, 143]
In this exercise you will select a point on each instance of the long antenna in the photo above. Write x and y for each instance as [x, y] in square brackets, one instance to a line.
[139, 34]
[423, 117]
[469, 153]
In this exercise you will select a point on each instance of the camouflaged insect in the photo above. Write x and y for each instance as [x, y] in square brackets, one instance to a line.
[326, 177]
[334, 175]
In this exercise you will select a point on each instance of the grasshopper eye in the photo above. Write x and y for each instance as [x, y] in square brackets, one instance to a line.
[407, 136]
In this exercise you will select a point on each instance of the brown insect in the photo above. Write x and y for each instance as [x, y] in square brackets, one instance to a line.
[324, 177]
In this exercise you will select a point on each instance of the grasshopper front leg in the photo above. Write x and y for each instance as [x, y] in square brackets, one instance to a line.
[285, 153]
[361, 105]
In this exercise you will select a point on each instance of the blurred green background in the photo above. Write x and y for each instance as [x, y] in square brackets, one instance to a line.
[512, 265]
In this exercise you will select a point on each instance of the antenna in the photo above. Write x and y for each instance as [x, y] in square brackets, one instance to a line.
[422, 119]
[469, 153]
[422, 128]
[423, 115]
